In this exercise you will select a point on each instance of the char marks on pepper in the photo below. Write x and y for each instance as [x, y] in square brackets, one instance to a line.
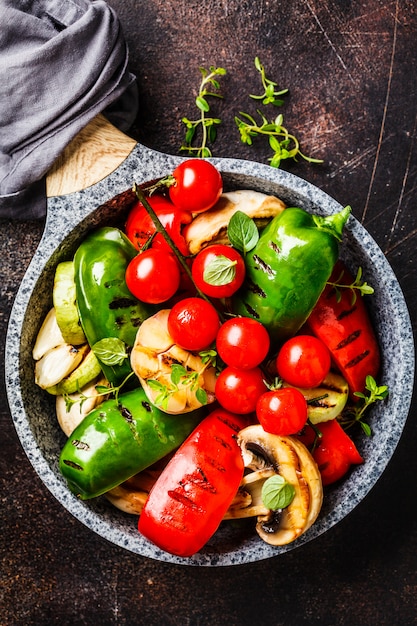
[80, 445]
[255, 289]
[350, 339]
[73, 465]
[184, 500]
[357, 359]
[346, 313]
[122, 303]
[222, 442]
[214, 463]
[264, 267]
[274, 246]
[126, 414]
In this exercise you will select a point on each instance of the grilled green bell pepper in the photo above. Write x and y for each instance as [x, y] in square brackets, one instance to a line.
[288, 269]
[118, 439]
[105, 304]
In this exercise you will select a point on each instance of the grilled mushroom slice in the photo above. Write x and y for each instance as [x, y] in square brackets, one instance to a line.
[290, 458]
[211, 226]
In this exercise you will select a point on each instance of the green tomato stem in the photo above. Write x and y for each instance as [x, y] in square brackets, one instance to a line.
[160, 228]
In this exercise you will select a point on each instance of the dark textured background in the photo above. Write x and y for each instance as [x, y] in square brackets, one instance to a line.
[351, 70]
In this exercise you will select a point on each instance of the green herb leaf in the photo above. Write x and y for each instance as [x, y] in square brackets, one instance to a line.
[242, 232]
[110, 350]
[277, 493]
[204, 124]
[177, 372]
[220, 271]
[355, 415]
[201, 396]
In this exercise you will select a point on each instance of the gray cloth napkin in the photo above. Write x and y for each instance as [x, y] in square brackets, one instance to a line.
[61, 63]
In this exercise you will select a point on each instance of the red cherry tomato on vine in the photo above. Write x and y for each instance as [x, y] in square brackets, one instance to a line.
[303, 361]
[242, 342]
[153, 276]
[140, 227]
[218, 271]
[198, 185]
[282, 411]
[238, 390]
[193, 324]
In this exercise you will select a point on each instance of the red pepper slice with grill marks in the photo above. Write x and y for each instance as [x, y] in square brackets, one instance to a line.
[188, 501]
[347, 331]
[335, 452]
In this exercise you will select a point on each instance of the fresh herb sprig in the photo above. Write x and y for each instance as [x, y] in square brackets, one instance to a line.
[355, 414]
[356, 287]
[101, 390]
[283, 144]
[180, 378]
[209, 88]
[269, 96]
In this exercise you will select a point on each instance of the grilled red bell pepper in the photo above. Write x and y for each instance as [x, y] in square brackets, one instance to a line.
[188, 501]
[347, 331]
[335, 452]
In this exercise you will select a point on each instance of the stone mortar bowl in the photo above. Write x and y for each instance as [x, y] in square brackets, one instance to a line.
[69, 218]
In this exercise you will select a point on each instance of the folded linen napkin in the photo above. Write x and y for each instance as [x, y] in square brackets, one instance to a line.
[61, 63]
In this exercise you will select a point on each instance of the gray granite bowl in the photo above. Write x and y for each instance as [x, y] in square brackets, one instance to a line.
[32, 410]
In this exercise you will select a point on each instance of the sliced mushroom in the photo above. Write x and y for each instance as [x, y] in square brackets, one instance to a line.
[152, 357]
[131, 495]
[290, 458]
[248, 500]
[211, 226]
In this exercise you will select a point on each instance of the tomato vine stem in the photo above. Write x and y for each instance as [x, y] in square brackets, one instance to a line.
[141, 196]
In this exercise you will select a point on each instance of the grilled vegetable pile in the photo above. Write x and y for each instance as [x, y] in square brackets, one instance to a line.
[207, 362]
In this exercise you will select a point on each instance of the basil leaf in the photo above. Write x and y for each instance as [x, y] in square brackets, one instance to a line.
[242, 232]
[220, 271]
[277, 493]
[110, 350]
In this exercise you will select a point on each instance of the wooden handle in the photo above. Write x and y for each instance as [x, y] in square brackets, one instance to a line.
[92, 155]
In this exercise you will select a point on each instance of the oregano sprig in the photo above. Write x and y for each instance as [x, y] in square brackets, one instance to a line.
[283, 144]
[180, 378]
[355, 415]
[209, 88]
[102, 390]
[269, 96]
[355, 287]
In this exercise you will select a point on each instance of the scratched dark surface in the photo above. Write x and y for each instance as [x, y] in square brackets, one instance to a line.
[351, 70]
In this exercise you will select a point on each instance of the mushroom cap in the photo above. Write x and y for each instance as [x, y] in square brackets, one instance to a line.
[289, 458]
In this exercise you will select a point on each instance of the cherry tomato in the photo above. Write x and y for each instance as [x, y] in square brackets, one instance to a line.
[218, 271]
[282, 411]
[193, 324]
[335, 452]
[153, 276]
[303, 361]
[238, 390]
[140, 226]
[242, 342]
[198, 185]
